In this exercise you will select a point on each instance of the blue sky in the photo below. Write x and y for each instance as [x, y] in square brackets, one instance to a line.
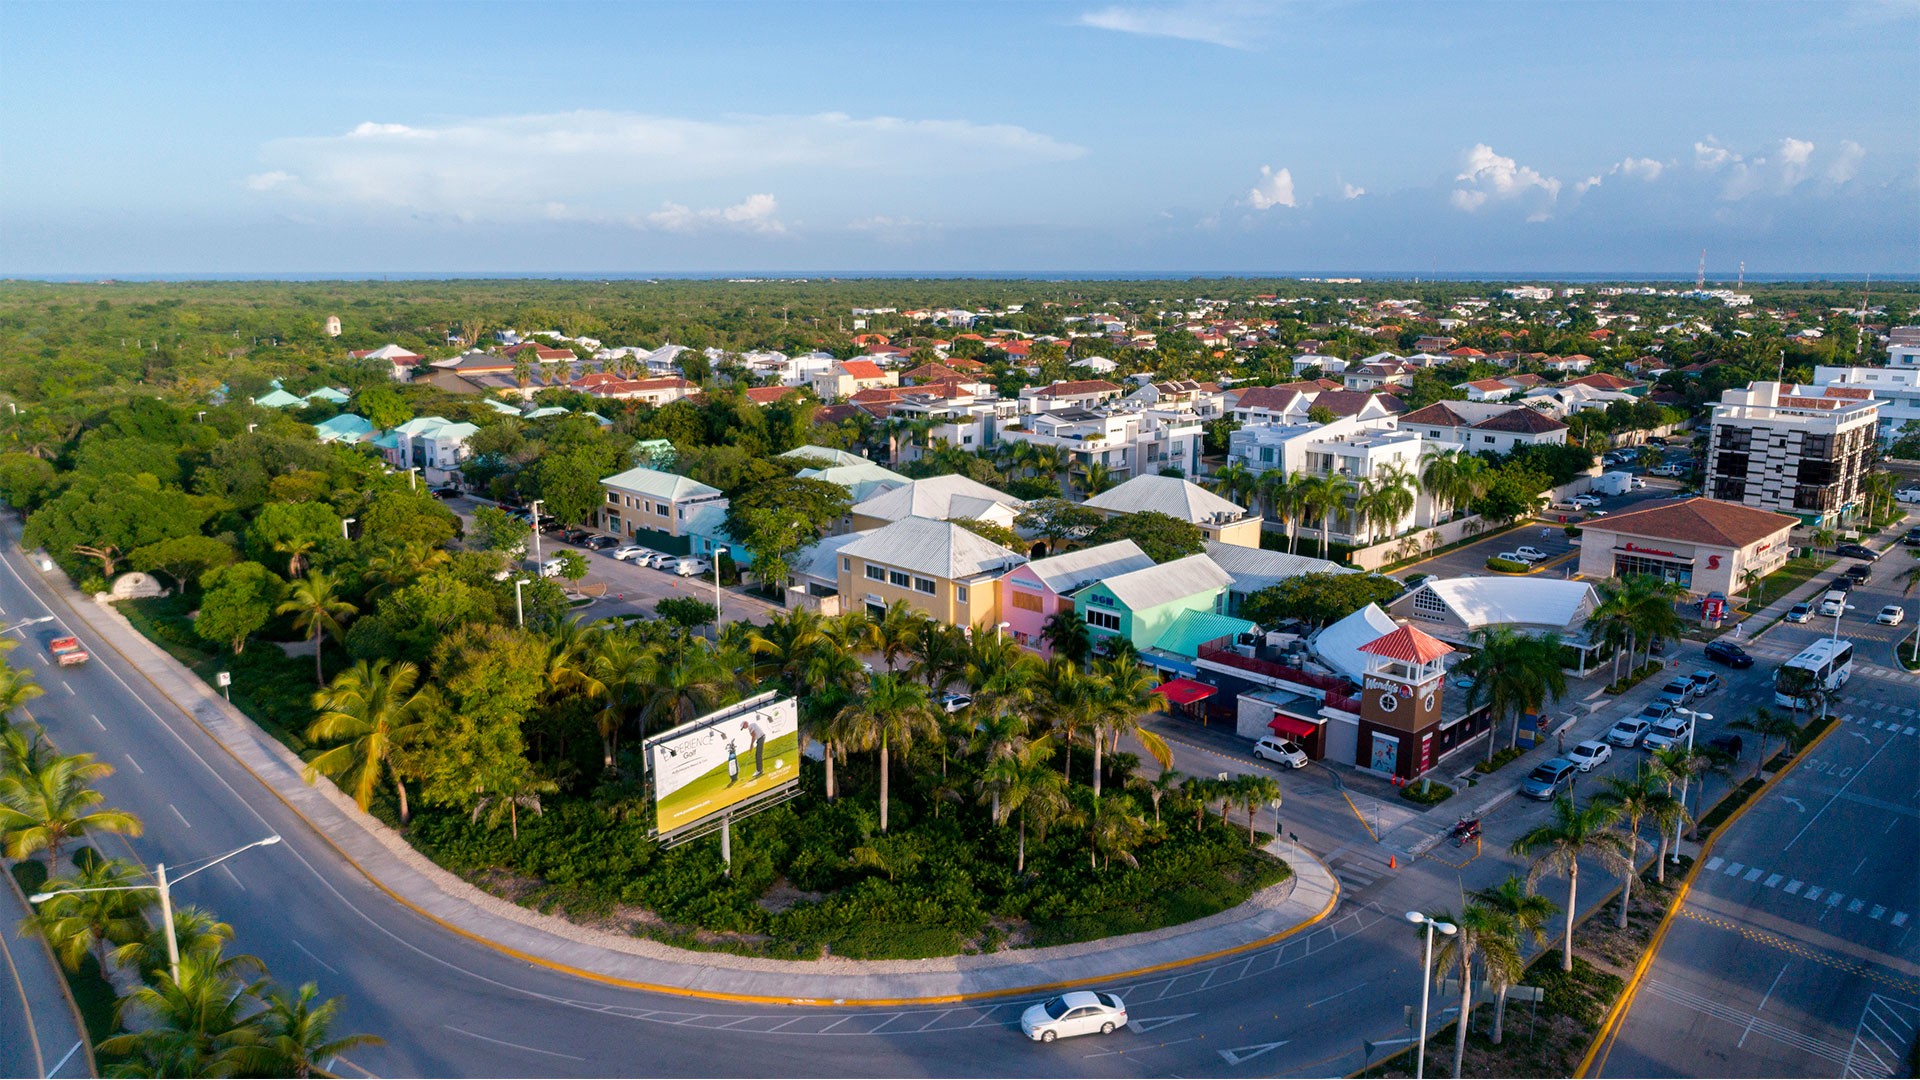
[1238, 135]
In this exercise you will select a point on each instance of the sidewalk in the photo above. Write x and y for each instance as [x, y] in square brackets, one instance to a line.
[415, 882]
[44, 1036]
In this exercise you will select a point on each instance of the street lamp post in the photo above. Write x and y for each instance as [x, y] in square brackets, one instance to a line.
[165, 888]
[1694, 720]
[519, 609]
[345, 534]
[1426, 985]
[1837, 612]
[1000, 631]
[413, 478]
[718, 549]
[534, 513]
[26, 622]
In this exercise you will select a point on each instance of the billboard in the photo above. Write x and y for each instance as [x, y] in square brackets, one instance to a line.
[723, 759]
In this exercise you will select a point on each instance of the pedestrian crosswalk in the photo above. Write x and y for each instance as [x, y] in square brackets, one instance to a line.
[1893, 721]
[1814, 894]
[1357, 870]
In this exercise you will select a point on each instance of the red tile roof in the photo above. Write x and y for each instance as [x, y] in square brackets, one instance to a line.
[767, 395]
[1522, 419]
[1600, 380]
[1270, 398]
[1697, 521]
[1409, 645]
[862, 369]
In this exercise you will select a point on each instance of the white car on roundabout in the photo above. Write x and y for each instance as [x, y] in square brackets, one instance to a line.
[1081, 1012]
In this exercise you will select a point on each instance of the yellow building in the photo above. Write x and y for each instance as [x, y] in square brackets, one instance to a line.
[937, 567]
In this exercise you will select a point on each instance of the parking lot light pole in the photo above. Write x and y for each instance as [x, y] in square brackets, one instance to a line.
[1426, 985]
[519, 608]
[718, 549]
[345, 534]
[534, 513]
[1694, 720]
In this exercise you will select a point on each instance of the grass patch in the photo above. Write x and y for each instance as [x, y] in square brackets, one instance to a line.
[1507, 566]
[1426, 793]
[1730, 802]
[1646, 671]
[1501, 758]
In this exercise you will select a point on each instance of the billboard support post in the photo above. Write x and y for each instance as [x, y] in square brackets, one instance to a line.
[730, 763]
[726, 842]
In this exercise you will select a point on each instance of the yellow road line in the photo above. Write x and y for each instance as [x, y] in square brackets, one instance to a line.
[1357, 815]
[1807, 952]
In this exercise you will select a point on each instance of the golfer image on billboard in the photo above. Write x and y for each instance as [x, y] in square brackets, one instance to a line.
[697, 769]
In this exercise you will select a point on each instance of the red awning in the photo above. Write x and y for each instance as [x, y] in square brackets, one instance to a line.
[1287, 725]
[1185, 691]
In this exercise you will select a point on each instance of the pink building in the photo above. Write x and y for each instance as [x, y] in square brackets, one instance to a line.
[1034, 592]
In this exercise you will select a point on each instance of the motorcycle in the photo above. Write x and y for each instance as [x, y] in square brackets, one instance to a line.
[1465, 831]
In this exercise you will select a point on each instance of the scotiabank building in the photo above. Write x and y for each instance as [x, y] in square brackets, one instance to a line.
[1703, 545]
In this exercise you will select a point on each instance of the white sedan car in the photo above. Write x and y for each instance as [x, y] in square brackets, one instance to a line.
[1590, 755]
[631, 552]
[1909, 494]
[1891, 615]
[1081, 1012]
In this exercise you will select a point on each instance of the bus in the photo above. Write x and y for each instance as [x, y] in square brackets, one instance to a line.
[1825, 665]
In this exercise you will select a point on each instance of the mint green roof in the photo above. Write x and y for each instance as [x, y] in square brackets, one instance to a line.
[328, 393]
[279, 399]
[1193, 629]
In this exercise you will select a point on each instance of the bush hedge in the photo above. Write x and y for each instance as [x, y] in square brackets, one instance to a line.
[1507, 566]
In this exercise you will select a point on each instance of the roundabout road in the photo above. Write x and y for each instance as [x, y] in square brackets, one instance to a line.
[450, 1006]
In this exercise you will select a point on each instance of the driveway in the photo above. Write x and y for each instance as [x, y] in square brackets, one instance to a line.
[1547, 534]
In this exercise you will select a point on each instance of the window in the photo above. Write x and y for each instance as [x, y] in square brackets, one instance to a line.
[1428, 606]
[661, 509]
[1486, 438]
[1025, 601]
[1103, 620]
[923, 584]
[898, 577]
[846, 564]
[960, 594]
[613, 498]
[876, 573]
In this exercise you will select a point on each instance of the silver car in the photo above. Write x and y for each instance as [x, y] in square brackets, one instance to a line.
[1081, 1012]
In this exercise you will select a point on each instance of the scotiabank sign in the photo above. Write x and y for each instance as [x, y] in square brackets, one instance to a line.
[1638, 550]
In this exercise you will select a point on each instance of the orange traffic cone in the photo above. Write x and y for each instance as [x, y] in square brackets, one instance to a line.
[1393, 863]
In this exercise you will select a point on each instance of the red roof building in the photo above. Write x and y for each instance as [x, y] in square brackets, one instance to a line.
[1409, 645]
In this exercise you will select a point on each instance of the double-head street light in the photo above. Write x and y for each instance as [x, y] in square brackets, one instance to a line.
[1426, 984]
[26, 622]
[165, 889]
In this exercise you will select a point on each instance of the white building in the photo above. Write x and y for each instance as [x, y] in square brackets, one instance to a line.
[1129, 442]
[1488, 425]
[1798, 450]
[1358, 450]
[1896, 387]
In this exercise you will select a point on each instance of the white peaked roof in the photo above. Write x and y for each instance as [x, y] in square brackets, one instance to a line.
[1075, 570]
[823, 557]
[1254, 569]
[1153, 586]
[937, 497]
[660, 485]
[1096, 363]
[826, 454]
[1338, 646]
[1496, 601]
[936, 548]
[391, 352]
[1170, 495]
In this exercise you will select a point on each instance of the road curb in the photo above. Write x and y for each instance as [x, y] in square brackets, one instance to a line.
[1610, 1027]
[274, 748]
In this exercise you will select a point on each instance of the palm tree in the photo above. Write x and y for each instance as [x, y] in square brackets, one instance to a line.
[895, 632]
[1115, 828]
[1070, 702]
[45, 808]
[618, 663]
[1287, 496]
[1636, 797]
[1233, 481]
[1065, 633]
[507, 786]
[16, 689]
[1157, 787]
[1653, 612]
[894, 712]
[372, 709]
[299, 1033]
[317, 608]
[1385, 500]
[78, 921]
[396, 566]
[1526, 913]
[1613, 619]
[1471, 479]
[296, 549]
[1095, 478]
[1769, 726]
[1252, 791]
[1440, 475]
[1124, 691]
[679, 687]
[1481, 932]
[1558, 846]
[785, 643]
[195, 930]
[1911, 575]
[24, 748]
[1023, 783]
[202, 1024]
[1512, 674]
[1326, 496]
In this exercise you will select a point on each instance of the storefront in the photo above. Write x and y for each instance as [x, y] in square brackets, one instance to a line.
[1702, 545]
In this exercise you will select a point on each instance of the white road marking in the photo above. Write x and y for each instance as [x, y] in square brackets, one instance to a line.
[181, 816]
[1878, 910]
[1331, 997]
[1772, 880]
[516, 1046]
[236, 878]
[1899, 918]
[136, 765]
[1764, 998]
[1813, 893]
[1715, 863]
[67, 686]
[96, 720]
[1855, 906]
[1793, 887]
[1734, 870]
[1153, 1023]
[1246, 1053]
[311, 956]
[55, 1071]
[1836, 795]
[1754, 874]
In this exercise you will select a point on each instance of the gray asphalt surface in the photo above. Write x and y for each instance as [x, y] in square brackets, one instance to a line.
[42, 1035]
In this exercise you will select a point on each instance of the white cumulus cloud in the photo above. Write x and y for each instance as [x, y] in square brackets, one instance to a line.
[1274, 189]
[1350, 191]
[1640, 168]
[599, 164]
[1488, 176]
[755, 213]
[1847, 165]
[1233, 24]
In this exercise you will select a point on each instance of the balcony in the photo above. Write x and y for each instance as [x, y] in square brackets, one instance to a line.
[1330, 685]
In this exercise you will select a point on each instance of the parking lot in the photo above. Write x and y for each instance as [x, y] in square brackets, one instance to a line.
[1548, 535]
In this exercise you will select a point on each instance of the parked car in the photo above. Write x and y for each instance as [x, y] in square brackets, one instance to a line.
[1530, 554]
[1514, 557]
[600, 543]
[1081, 1012]
[1669, 732]
[1655, 711]
[1585, 500]
[1727, 744]
[1798, 613]
[1273, 748]
[551, 568]
[1907, 494]
[1860, 573]
[574, 534]
[693, 566]
[1671, 469]
[660, 560]
[1679, 691]
[632, 553]
[1639, 483]
[953, 703]
[1628, 733]
[445, 493]
[1590, 755]
[1704, 683]
[1856, 551]
[1891, 615]
[1912, 539]
[1548, 779]
[1721, 652]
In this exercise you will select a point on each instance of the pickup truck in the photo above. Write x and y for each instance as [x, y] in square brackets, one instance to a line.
[67, 651]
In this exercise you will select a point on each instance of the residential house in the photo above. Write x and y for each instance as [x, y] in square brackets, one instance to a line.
[1896, 387]
[1352, 449]
[1127, 442]
[1181, 498]
[655, 392]
[767, 395]
[1379, 375]
[1480, 426]
[1488, 389]
[651, 507]
[1035, 592]
[1270, 404]
[966, 415]
[940, 569]
[938, 498]
[280, 399]
[1076, 394]
[844, 378]
[345, 428]
[1362, 404]
[401, 363]
[1173, 608]
[433, 444]
[1604, 381]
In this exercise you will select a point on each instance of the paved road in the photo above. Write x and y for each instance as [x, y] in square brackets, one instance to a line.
[42, 1034]
[1796, 954]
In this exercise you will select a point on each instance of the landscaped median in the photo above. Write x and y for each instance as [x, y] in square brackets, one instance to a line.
[1279, 889]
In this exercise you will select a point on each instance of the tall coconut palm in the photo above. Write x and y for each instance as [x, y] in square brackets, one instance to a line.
[1157, 787]
[17, 687]
[398, 565]
[1114, 828]
[1385, 500]
[1066, 635]
[896, 630]
[1325, 497]
[1095, 477]
[1286, 495]
[23, 747]
[1654, 614]
[47, 807]
[1472, 475]
[195, 930]
[619, 664]
[1769, 725]
[372, 709]
[298, 1036]
[1613, 619]
[681, 685]
[1481, 933]
[1635, 797]
[107, 912]
[1512, 674]
[296, 549]
[998, 734]
[783, 645]
[1024, 783]
[318, 609]
[1526, 913]
[1251, 791]
[1233, 481]
[1125, 691]
[1571, 834]
[893, 713]
[1440, 476]
[202, 1024]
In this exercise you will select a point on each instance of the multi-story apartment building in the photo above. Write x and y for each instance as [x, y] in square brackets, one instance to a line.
[1797, 450]
[1895, 387]
[939, 568]
[1357, 450]
[1128, 442]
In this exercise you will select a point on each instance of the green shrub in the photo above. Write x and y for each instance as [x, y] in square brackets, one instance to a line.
[1507, 566]
[1501, 758]
[1426, 793]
